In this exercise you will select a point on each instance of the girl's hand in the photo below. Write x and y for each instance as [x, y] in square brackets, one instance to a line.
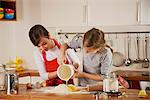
[62, 59]
[78, 74]
[76, 65]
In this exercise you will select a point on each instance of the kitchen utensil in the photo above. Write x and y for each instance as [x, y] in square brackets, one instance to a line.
[96, 87]
[138, 60]
[65, 71]
[12, 83]
[2, 77]
[7, 10]
[118, 59]
[128, 60]
[145, 63]
[123, 82]
[1, 13]
[109, 41]
[9, 16]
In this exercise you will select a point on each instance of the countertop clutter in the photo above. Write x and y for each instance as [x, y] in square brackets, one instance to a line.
[44, 93]
[33, 94]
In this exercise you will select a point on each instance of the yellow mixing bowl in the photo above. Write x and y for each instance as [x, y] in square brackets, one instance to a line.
[1, 16]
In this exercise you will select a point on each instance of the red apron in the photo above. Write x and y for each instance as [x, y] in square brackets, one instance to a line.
[52, 66]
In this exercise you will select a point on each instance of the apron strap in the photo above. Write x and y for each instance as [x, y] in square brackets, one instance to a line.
[43, 52]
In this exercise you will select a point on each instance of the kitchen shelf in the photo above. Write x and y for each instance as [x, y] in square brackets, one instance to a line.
[11, 4]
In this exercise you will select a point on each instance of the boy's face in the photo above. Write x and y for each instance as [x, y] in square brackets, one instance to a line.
[46, 44]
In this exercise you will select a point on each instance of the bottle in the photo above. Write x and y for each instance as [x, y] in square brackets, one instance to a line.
[113, 83]
[106, 87]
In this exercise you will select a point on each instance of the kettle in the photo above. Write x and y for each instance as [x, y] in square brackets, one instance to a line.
[2, 77]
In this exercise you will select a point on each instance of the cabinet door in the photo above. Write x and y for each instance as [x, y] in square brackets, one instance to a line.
[145, 12]
[112, 12]
[60, 13]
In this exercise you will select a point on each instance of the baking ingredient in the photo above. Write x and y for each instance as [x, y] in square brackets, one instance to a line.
[72, 88]
[64, 89]
[142, 93]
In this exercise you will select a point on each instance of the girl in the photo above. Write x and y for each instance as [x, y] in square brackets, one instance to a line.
[97, 56]
[46, 54]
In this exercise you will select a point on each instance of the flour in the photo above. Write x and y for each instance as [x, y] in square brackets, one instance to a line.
[60, 89]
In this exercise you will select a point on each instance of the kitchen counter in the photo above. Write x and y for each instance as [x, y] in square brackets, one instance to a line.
[132, 67]
[128, 75]
[24, 94]
[28, 73]
[133, 77]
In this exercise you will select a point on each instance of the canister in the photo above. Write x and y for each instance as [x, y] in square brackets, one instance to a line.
[12, 83]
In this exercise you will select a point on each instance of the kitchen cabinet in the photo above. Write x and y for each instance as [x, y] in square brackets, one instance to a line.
[60, 13]
[112, 12]
[72, 13]
[145, 12]
[9, 10]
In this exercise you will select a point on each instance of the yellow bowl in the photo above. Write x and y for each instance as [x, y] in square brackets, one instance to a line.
[1, 16]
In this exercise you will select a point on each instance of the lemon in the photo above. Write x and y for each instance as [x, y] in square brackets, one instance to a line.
[71, 88]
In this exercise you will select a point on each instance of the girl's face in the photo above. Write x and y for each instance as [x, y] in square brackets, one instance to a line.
[91, 50]
[46, 44]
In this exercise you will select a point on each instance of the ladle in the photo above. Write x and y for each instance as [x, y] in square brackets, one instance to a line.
[138, 60]
[145, 63]
[128, 60]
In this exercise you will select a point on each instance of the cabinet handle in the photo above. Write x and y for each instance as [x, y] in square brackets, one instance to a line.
[85, 14]
[138, 11]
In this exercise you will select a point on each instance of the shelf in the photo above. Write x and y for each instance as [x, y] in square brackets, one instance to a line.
[8, 0]
[10, 4]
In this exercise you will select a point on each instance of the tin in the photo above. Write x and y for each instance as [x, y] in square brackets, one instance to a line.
[12, 83]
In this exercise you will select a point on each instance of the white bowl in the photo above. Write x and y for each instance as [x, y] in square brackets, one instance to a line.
[65, 71]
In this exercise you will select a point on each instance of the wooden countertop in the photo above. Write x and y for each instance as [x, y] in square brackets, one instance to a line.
[24, 94]
[28, 73]
[134, 75]
[128, 75]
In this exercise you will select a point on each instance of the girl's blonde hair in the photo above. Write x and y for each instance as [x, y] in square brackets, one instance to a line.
[95, 38]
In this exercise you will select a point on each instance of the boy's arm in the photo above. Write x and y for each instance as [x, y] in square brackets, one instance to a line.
[52, 75]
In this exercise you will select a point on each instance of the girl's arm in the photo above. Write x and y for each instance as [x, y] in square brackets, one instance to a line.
[62, 59]
[96, 77]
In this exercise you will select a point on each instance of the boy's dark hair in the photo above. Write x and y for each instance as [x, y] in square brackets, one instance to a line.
[36, 32]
